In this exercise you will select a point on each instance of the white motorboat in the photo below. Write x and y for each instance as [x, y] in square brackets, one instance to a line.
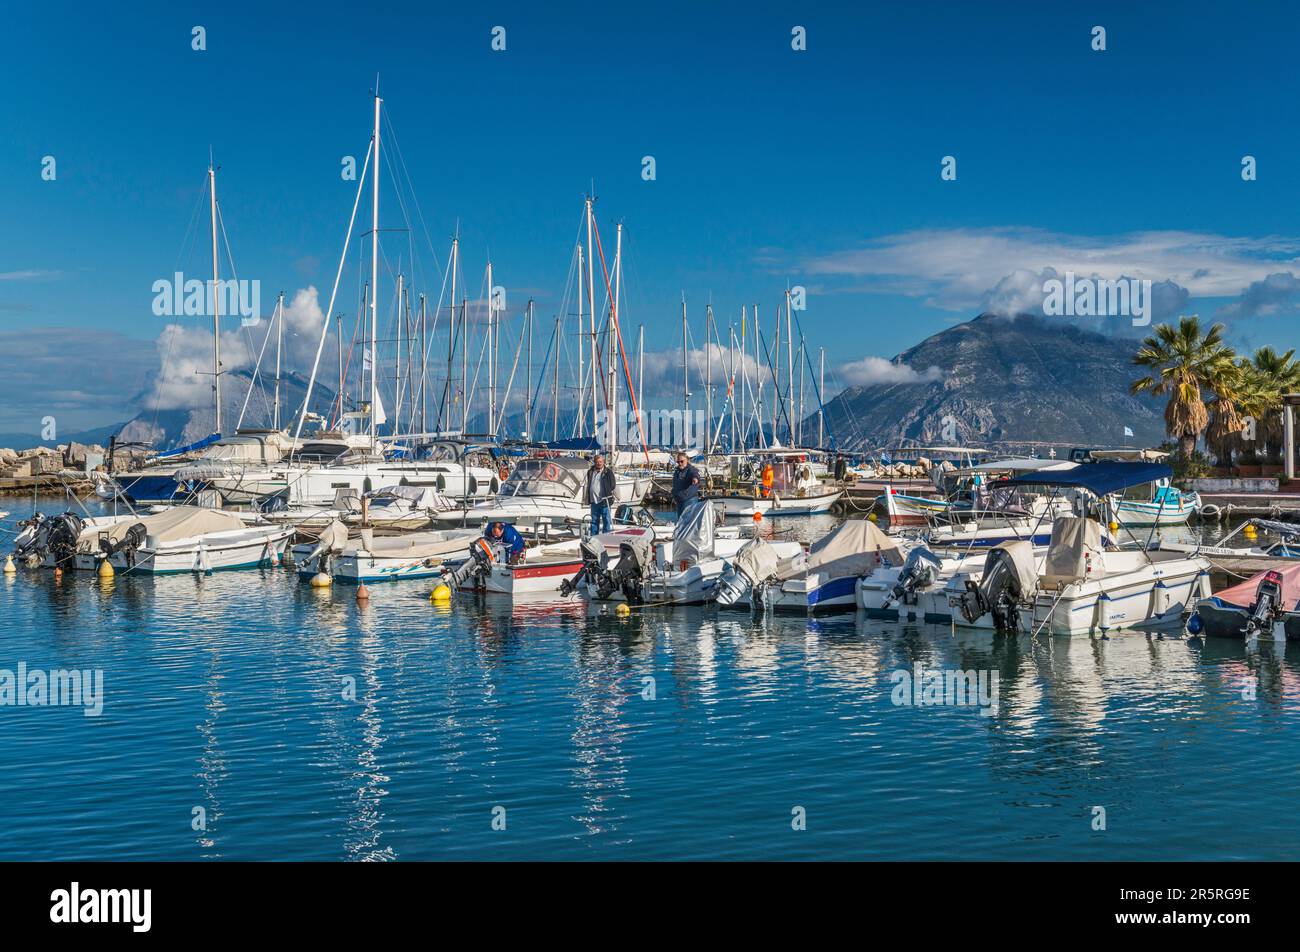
[389, 509]
[681, 570]
[180, 539]
[826, 578]
[371, 558]
[543, 492]
[1078, 585]
[794, 490]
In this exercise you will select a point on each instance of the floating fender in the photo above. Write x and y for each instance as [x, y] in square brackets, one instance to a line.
[1194, 624]
[1103, 612]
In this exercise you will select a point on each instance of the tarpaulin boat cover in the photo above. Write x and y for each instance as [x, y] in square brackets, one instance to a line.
[757, 560]
[1075, 542]
[1243, 594]
[420, 497]
[853, 548]
[182, 522]
[1022, 557]
[693, 534]
[333, 538]
[419, 545]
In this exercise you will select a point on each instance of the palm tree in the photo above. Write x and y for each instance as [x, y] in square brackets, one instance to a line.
[1240, 391]
[1278, 374]
[1183, 362]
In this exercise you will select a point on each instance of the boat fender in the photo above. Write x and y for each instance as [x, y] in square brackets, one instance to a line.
[1194, 624]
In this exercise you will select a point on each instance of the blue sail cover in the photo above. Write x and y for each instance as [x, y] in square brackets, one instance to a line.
[1097, 478]
[206, 441]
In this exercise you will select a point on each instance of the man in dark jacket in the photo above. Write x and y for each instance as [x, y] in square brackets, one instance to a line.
[599, 493]
[686, 483]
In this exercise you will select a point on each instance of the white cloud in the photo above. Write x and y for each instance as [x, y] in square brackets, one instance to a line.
[870, 371]
[965, 269]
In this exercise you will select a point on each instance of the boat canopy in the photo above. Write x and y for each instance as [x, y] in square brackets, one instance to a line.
[855, 547]
[1098, 478]
[172, 525]
[1243, 594]
[694, 533]
[1024, 464]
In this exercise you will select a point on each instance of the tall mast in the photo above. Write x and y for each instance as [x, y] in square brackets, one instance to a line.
[758, 377]
[789, 371]
[491, 358]
[612, 332]
[708, 376]
[424, 367]
[397, 357]
[744, 371]
[799, 429]
[528, 391]
[464, 363]
[821, 398]
[374, 278]
[555, 385]
[582, 359]
[451, 334]
[640, 380]
[591, 307]
[279, 345]
[216, 299]
[686, 379]
[338, 324]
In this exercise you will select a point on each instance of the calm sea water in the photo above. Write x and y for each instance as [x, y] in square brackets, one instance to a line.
[230, 694]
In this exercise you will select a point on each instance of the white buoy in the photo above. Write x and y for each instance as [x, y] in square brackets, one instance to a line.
[10, 568]
[321, 580]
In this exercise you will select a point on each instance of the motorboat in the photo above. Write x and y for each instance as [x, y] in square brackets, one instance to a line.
[179, 539]
[371, 558]
[796, 491]
[826, 577]
[680, 570]
[1078, 585]
[393, 508]
[1265, 606]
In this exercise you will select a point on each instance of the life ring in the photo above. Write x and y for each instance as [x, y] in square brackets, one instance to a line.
[552, 473]
[504, 472]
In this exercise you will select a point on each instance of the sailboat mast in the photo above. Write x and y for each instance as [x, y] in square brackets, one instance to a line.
[821, 398]
[582, 358]
[451, 334]
[555, 384]
[611, 401]
[374, 279]
[279, 346]
[640, 379]
[708, 375]
[528, 392]
[789, 371]
[216, 300]
[338, 332]
[686, 379]
[464, 363]
[397, 356]
[591, 307]
[424, 367]
[491, 357]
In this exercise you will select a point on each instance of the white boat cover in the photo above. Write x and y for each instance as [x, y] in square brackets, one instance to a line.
[333, 538]
[757, 560]
[420, 497]
[182, 522]
[854, 548]
[1243, 593]
[1075, 542]
[693, 536]
[419, 545]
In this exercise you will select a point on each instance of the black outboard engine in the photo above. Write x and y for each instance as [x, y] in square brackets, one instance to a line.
[129, 544]
[482, 554]
[998, 591]
[919, 571]
[62, 538]
[32, 540]
[1268, 605]
[593, 567]
[635, 557]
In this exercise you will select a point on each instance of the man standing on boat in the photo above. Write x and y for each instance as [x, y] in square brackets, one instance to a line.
[599, 494]
[686, 483]
[499, 533]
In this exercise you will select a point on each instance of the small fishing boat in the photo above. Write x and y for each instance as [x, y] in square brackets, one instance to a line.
[795, 491]
[1267, 605]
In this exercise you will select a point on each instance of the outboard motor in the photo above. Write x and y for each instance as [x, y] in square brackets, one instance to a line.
[919, 571]
[482, 555]
[32, 539]
[998, 591]
[62, 538]
[635, 559]
[754, 564]
[1268, 605]
[593, 567]
[129, 544]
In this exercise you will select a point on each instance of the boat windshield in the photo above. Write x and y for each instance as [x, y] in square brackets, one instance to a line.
[540, 477]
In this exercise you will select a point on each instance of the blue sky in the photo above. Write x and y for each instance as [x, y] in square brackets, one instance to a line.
[818, 168]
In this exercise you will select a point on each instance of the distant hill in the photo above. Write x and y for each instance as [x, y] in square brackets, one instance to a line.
[1005, 380]
[25, 441]
[167, 429]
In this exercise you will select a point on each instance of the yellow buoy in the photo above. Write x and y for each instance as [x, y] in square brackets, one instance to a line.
[1249, 530]
[363, 593]
[871, 517]
[9, 565]
[106, 569]
[441, 593]
[622, 609]
[1114, 527]
[321, 580]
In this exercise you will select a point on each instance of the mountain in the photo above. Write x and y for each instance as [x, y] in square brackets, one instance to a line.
[167, 429]
[1021, 379]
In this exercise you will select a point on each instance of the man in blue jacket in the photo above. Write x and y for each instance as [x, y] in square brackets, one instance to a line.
[498, 533]
[599, 493]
